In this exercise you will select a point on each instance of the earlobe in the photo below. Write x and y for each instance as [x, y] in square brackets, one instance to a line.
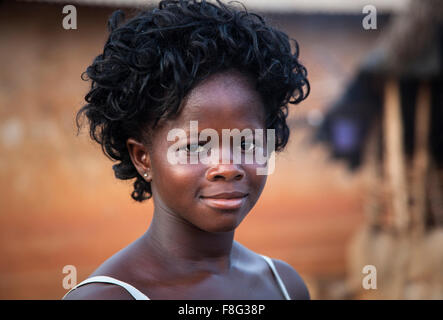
[147, 176]
[140, 158]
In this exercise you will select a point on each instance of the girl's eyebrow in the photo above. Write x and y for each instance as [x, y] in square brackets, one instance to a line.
[251, 133]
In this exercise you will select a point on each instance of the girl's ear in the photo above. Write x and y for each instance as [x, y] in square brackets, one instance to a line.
[140, 157]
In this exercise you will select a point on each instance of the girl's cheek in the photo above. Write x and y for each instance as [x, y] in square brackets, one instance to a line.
[184, 171]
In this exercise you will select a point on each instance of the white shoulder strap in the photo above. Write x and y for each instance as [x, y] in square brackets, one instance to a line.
[105, 279]
[277, 277]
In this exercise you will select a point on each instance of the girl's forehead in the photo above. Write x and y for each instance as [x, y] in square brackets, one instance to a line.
[223, 111]
[222, 101]
[229, 79]
[229, 93]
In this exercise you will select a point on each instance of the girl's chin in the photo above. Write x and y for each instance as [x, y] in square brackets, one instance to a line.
[221, 226]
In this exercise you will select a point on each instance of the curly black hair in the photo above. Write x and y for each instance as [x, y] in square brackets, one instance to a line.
[150, 62]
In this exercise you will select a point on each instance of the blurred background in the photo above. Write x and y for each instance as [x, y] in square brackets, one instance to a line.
[360, 182]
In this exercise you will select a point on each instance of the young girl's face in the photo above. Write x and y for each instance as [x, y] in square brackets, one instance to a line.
[214, 197]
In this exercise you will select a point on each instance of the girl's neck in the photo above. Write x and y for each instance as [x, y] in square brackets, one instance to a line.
[179, 244]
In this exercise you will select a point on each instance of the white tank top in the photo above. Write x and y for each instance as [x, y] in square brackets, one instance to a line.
[137, 295]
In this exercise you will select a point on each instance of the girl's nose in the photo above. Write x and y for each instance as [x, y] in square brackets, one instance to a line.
[225, 172]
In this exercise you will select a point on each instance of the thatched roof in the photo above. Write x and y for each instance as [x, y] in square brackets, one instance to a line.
[411, 51]
[412, 46]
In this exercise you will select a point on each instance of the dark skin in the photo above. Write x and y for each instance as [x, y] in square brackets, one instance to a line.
[189, 251]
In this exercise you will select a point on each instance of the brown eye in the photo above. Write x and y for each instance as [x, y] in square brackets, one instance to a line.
[194, 148]
[247, 145]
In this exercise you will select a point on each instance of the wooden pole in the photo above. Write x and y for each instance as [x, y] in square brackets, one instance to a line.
[421, 159]
[394, 156]
[373, 179]
[395, 175]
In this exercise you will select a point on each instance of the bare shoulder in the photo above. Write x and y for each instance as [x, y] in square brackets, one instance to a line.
[98, 291]
[295, 285]
[293, 282]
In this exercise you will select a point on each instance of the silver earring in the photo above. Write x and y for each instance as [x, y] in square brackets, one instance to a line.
[145, 175]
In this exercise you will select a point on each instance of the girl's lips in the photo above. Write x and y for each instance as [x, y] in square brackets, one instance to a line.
[224, 204]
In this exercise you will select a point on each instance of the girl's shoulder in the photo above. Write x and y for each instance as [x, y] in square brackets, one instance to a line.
[294, 283]
[291, 279]
[118, 267]
[99, 291]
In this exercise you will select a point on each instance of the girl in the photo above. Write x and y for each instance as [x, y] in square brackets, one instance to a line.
[225, 69]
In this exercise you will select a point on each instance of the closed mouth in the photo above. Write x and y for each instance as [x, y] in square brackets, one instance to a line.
[225, 200]
[226, 195]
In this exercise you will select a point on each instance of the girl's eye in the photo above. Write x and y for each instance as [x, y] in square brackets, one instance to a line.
[194, 148]
[247, 146]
